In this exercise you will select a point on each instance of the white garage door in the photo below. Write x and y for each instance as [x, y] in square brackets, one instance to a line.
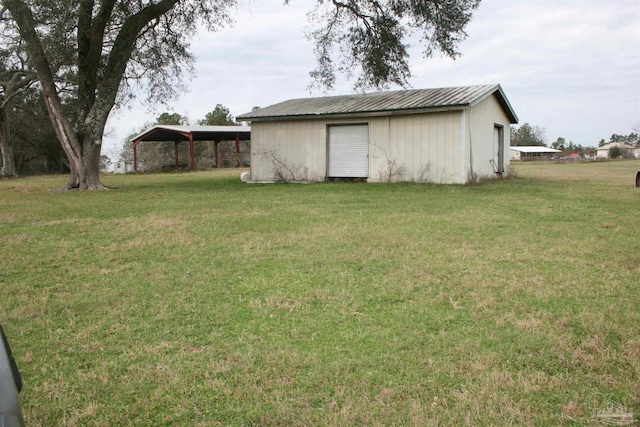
[348, 151]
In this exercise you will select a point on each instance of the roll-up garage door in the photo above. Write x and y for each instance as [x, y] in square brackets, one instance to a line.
[348, 151]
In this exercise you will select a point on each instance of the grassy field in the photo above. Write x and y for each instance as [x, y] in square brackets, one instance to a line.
[193, 299]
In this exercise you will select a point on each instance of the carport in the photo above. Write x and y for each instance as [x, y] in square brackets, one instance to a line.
[178, 134]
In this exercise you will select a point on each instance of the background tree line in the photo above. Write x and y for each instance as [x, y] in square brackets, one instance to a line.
[28, 143]
[632, 139]
[528, 135]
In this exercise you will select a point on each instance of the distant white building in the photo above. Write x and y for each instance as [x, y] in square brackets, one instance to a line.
[121, 166]
[532, 152]
[603, 152]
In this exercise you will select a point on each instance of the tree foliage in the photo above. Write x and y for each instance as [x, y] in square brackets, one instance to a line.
[220, 116]
[569, 147]
[632, 139]
[559, 144]
[15, 80]
[12, 84]
[615, 152]
[28, 144]
[527, 135]
[369, 37]
[36, 147]
[171, 119]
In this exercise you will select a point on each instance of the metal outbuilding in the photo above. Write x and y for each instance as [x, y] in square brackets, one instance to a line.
[445, 135]
[179, 133]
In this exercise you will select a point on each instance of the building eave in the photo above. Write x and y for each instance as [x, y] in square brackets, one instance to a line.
[415, 101]
[359, 115]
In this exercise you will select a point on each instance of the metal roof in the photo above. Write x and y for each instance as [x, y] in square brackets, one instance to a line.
[534, 149]
[610, 145]
[199, 133]
[384, 103]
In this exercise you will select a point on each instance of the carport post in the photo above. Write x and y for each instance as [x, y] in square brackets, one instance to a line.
[216, 152]
[135, 155]
[238, 149]
[192, 153]
[175, 149]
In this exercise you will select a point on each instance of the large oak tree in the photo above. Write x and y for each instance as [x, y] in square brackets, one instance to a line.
[97, 52]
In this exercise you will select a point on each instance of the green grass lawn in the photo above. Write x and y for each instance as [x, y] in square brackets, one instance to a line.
[193, 299]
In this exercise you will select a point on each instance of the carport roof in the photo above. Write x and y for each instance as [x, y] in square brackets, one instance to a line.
[533, 149]
[384, 103]
[199, 133]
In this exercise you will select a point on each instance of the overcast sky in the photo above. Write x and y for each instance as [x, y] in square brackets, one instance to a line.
[569, 66]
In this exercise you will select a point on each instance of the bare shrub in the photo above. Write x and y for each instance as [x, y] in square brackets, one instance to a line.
[284, 171]
[425, 172]
[392, 171]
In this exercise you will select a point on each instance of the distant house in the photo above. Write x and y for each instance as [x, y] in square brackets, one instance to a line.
[121, 167]
[603, 152]
[532, 152]
[447, 135]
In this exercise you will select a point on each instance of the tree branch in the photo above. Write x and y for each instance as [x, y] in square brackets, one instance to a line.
[24, 19]
[355, 11]
[90, 44]
[19, 82]
[121, 53]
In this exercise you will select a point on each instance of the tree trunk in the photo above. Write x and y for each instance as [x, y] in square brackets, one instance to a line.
[82, 150]
[85, 174]
[85, 169]
[7, 162]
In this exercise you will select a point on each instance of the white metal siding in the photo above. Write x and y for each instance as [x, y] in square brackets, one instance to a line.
[299, 145]
[417, 147]
[484, 138]
[348, 151]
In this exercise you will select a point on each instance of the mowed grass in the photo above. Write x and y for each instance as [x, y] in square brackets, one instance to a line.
[193, 299]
